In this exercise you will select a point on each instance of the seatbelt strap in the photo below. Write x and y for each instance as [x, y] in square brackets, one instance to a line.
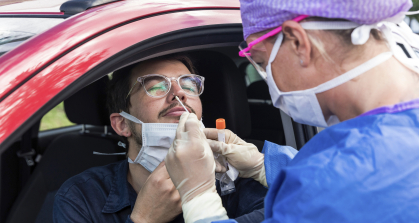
[26, 154]
[288, 130]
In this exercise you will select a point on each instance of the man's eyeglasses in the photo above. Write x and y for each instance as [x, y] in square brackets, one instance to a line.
[245, 50]
[158, 86]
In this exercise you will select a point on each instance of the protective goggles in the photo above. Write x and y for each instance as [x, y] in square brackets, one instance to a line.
[157, 86]
[251, 52]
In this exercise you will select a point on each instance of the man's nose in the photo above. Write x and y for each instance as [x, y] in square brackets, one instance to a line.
[176, 91]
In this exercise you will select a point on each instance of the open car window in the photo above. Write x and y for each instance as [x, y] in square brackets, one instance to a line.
[55, 118]
[15, 31]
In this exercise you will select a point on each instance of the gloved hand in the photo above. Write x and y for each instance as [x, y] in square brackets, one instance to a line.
[190, 164]
[245, 157]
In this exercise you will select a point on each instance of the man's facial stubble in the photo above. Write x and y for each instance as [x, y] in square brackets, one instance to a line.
[138, 137]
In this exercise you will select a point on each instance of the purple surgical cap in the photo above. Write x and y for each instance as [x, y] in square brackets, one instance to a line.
[260, 15]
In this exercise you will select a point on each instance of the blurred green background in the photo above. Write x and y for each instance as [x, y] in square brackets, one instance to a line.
[415, 7]
[55, 118]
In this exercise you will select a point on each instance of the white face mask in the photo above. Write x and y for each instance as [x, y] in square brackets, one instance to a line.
[157, 139]
[303, 105]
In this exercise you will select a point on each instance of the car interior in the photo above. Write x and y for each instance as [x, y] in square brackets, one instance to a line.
[64, 152]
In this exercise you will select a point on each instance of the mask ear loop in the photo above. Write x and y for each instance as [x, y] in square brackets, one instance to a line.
[276, 47]
[130, 117]
[136, 120]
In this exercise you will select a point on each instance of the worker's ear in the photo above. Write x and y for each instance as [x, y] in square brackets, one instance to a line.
[120, 125]
[297, 37]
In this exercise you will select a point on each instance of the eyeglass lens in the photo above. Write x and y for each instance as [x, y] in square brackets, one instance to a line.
[159, 86]
[243, 45]
[249, 56]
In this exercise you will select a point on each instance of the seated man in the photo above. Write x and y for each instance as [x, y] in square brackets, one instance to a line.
[142, 97]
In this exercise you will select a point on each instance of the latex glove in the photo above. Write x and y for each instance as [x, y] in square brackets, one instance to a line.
[245, 157]
[158, 200]
[191, 166]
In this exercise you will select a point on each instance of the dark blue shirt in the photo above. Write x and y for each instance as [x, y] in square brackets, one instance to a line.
[103, 194]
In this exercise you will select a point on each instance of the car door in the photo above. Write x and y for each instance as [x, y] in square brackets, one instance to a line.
[66, 58]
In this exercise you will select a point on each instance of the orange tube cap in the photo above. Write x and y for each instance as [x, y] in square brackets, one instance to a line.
[220, 123]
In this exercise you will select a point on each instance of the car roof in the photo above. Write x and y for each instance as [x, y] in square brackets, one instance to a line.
[17, 63]
[26, 71]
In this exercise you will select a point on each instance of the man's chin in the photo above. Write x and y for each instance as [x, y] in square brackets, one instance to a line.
[170, 119]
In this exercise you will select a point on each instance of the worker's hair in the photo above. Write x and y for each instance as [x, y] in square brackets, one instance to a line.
[120, 83]
[343, 35]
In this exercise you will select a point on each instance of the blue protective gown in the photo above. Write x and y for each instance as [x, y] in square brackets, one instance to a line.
[362, 170]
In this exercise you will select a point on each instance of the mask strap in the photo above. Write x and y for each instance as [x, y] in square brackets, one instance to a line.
[329, 25]
[275, 48]
[409, 63]
[130, 117]
[412, 13]
[361, 34]
[314, 25]
[353, 73]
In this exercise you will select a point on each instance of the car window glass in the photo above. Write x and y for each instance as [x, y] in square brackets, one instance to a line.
[55, 118]
[15, 31]
[251, 74]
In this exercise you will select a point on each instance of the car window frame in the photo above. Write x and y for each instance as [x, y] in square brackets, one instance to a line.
[224, 35]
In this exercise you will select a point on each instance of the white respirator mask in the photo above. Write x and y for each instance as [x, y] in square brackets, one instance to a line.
[156, 138]
[303, 105]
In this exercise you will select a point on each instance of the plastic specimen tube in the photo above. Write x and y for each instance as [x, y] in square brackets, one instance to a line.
[226, 183]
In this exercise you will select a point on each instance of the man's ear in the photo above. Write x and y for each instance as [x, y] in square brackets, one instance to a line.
[119, 124]
[299, 41]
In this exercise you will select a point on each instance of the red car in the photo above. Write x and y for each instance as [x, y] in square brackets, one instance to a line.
[71, 62]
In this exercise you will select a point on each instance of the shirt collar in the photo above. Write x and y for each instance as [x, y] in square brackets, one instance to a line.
[119, 196]
[400, 107]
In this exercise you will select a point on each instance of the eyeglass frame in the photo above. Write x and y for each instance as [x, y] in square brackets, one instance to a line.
[273, 32]
[245, 52]
[170, 79]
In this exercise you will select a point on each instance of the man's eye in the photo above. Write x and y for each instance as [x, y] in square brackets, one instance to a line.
[156, 88]
[162, 86]
[189, 89]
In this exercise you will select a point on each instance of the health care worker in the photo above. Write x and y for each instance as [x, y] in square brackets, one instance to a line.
[327, 61]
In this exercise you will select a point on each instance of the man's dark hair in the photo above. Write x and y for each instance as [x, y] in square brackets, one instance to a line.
[120, 83]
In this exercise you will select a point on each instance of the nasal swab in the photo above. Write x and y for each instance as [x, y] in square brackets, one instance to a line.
[182, 104]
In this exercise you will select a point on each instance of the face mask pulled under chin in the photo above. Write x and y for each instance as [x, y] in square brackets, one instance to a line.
[156, 138]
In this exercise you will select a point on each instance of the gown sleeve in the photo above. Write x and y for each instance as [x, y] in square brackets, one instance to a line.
[276, 158]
